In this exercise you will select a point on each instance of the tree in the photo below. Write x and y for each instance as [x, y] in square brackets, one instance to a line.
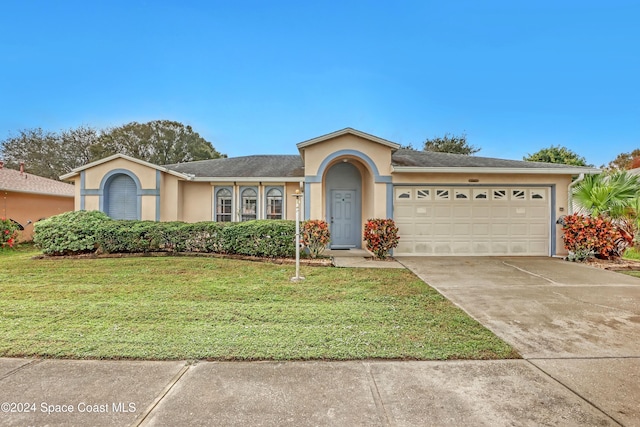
[49, 154]
[557, 154]
[625, 161]
[161, 142]
[450, 144]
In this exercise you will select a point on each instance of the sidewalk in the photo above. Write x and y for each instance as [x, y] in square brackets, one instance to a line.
[359, 393]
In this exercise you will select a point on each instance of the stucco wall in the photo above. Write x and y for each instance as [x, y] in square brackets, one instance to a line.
[22, 207]
[197, 201]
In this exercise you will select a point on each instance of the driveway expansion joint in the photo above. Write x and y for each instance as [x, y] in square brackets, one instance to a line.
[575, 392]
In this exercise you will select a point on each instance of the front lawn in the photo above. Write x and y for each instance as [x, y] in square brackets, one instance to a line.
[207, 308]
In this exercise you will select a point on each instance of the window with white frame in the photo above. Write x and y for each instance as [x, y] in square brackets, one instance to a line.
[224, 206]
[274, 203]
[249, 204]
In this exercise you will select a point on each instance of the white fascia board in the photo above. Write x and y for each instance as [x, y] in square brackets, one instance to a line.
[346, 131]
[77, 170]
[247, 179]
[522, 171]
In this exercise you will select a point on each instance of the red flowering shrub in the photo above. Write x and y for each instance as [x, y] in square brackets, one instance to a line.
[586, 235]
[8, 233]
[315, 236]
[381, 236]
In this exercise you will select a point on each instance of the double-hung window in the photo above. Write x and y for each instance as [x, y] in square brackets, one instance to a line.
[224, 205]
[249, 202]
[274, 203]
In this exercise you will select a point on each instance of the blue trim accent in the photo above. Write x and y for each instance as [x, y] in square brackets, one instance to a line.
[389, 200]
[552, 236]
[331, 157]
[111, 174]
[158, 180]
[307, 200]
[82, 189]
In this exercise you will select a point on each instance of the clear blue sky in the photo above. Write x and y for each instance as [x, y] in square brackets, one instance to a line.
[256, 77]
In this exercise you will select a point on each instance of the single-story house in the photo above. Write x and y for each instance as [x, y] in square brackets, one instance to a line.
[27, 198]
[443, 204]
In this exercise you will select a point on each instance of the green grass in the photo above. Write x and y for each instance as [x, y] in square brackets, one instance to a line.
[632, 253]
[217, 309]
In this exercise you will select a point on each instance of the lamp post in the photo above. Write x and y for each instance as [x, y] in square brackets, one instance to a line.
[297, 196]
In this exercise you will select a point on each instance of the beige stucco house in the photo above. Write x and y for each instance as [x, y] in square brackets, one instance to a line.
[27, 198]
[443, 204]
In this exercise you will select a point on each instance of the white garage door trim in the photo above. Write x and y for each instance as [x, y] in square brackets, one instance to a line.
[473, 220]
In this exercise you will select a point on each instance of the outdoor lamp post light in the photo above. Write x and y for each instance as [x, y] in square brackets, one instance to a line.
[297, 196]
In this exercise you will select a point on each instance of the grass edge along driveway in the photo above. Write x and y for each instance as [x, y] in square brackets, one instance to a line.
[172, 308]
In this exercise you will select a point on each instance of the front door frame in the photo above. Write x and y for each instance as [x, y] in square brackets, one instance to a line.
[351, 240]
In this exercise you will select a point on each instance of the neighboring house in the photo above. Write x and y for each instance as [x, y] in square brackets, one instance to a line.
[26, 198]
[443, 204]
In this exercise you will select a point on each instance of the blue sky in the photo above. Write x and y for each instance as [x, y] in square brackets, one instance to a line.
[256, 77]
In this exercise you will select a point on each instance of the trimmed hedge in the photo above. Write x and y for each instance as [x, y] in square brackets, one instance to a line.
[69, 233]
[81, 232]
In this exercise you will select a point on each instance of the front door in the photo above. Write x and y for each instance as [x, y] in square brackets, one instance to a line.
[344, 224]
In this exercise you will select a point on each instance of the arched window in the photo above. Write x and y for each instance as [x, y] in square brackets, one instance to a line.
[249, 204]
[274, 203]
[121, 197]
[223, 205]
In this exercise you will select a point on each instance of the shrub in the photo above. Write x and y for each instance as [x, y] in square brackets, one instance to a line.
[69, 233]
[381, 236]
[315, 236]
[8, 233]
[585, 236]
[268, 238]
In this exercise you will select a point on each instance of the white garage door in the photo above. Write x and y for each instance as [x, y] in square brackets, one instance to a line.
[472, 220]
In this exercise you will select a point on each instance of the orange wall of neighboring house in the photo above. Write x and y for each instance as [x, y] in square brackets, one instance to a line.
[22, 207]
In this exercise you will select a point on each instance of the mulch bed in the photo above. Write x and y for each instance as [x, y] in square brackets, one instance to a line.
[615, 264]
[318, 262]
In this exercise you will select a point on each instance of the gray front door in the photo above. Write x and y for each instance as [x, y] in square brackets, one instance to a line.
[344, 224]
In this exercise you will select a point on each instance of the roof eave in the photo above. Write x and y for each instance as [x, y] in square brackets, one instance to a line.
[247, 179]
[494, 170]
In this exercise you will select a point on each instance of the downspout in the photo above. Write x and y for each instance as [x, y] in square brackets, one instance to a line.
[570, 189]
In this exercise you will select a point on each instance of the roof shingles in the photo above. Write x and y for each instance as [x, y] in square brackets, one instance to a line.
[13, 180]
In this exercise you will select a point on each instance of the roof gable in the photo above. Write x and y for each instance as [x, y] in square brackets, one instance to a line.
[76, 171]
[347, 131]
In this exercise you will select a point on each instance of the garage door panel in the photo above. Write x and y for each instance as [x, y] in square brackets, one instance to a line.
[481, 221]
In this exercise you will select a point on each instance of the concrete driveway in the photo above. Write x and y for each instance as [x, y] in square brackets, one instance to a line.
[578, 324]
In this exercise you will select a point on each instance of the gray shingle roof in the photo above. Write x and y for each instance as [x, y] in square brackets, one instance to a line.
[425, 159]
[291, 166]
[241, 167]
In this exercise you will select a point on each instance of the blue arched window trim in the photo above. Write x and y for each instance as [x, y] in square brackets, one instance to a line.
[104, 185]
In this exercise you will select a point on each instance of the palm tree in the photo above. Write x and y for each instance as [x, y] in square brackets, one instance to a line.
[616, 196]
[609, 195]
